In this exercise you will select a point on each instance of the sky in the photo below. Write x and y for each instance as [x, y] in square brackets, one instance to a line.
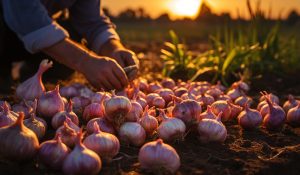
[188, 8]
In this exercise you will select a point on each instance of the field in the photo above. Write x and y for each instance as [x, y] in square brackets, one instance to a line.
[244, 152]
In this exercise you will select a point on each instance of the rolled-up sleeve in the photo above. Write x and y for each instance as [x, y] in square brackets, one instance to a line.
[31, 22]
[89, 20]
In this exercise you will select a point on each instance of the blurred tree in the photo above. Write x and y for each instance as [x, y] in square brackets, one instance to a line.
[165, 17]
[293, 18]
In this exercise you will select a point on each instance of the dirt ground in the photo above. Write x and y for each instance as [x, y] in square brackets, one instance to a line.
[244, 152]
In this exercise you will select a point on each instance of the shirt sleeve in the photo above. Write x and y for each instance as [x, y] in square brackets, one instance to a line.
[89, 20]
[31, 22]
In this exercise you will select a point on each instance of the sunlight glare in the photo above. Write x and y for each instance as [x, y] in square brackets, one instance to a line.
[185, 8]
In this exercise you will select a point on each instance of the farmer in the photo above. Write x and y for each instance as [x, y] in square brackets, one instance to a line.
[29, 29]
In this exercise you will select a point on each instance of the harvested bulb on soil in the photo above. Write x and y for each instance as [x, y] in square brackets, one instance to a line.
[155, 155]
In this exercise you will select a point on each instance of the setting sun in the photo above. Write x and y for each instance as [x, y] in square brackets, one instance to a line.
[185, 8]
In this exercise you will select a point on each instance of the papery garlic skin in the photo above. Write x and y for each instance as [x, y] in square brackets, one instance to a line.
[148, 122]
[82, 160]
[33, 87]
[104, 144]
[93, 110]
[22, 144]
[212, 130]
[222, 106]
[50, 103]
[249, 118]
[68, 134]
[187, 111]
[103, 123]
[290, 103]
[171, 128]
[52, 153]
[132, 133]
[293, 116]
[6, 117]
[37, 126]
[59, 118]
[135, 112]
[156, 155]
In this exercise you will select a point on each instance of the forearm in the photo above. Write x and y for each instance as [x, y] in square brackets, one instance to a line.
[109, 47]
[68, 53]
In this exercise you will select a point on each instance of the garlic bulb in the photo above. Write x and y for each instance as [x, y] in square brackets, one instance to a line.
[214, 92]
[293, 116]
[234, 93]
[212, 130]
[143, 84]
[33, 87]
[116, 108]
[273, 98]
[208, 114]
[82, 160]
[235, 110]
[159, 102]
[170, 128]
[135, 112]
[166, 94]
[156, 155]
[24, 107]
[148, 122]
[221, 106]
[104, 144]
[50, 103]
[242, 100]
[68, 134]
[6, 117]
[52, 153]
[206, 99]
[79, 103]
[276, 117]
[100, 97]
[187, 110]
[36, 125]
[17, 142]
[168, 83]
[150, 97]
[154, 87]
[103, 123]
[249, 118]
[93, 110]
[142, 102]
[180, 91]
[59, 118]
[290, 103]
[69, 92]
[132, 133]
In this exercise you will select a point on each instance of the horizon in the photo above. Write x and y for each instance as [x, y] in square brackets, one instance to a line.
[178, 10]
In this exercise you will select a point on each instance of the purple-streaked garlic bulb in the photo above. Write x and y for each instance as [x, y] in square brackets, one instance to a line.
[33, 87]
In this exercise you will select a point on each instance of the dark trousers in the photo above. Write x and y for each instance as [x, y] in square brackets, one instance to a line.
[12, 50]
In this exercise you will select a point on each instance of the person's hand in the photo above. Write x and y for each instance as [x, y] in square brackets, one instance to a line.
[125, 57]
[104, 72]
